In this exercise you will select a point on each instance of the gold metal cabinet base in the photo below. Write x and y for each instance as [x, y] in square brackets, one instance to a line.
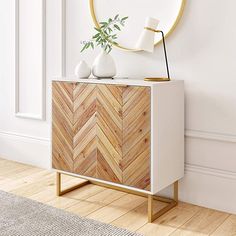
[151, 198]
[61, 192]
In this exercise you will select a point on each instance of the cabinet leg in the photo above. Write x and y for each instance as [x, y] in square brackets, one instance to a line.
[58, 184]
[171, 203]
[176, 191]
[61, 192]
[150, 208]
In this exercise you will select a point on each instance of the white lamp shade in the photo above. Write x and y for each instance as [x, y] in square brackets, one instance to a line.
[147, 37]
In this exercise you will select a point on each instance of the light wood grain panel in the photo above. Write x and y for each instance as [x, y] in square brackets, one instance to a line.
[107, 134]
[137, 174]
[85, 130]
[85, 162]
[130, 101]
[136, 137]
[62, 126]
[62, 95]
[117, 92]
[133, 153]
[106, 170]
[82, 93]
[97, 132]
[84, 105]
[111, 131]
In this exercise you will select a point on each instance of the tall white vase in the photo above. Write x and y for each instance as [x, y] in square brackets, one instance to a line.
[104, 66]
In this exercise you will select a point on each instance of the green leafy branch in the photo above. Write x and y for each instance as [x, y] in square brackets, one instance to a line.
[106, 35]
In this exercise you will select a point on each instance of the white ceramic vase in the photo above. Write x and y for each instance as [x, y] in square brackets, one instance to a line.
[82, 70]
[104, 66]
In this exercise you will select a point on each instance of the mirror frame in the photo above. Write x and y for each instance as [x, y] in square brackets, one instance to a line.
[177, 19]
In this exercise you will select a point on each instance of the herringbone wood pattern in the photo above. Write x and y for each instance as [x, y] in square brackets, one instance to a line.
[62, 126]
[136, 137]
[110, 131]
[85, 130]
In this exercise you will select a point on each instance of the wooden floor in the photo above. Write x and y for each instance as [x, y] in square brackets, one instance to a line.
[113, 207]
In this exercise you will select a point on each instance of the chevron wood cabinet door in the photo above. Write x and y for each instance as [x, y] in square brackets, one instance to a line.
[109, 133]
[111, 122]
[62, 126]
[98, 131]
[126, 133]
[136, 149]
[85, 130]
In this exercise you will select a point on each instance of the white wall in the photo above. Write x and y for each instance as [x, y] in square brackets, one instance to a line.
[26, 140]
[201, 52]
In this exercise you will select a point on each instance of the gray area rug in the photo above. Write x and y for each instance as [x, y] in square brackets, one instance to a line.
[24, 217]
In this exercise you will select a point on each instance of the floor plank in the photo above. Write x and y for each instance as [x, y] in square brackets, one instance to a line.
[84, 192]
[49, 192]
[91, 204]
[35, 187]
[19, 182]
[228, 228]
[62, 202]
[168, 223]
[11, 170]
[136, 218]
[117, 208]
[44, 196]
[203, 223]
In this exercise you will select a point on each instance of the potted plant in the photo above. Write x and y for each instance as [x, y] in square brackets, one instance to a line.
[105, 37]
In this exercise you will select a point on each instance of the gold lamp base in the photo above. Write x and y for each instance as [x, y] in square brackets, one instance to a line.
[157, 79]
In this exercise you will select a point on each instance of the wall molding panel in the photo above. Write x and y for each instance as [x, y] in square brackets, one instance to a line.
[210, 171]
[30, 64]
[26, 149]
[189, 133]
[25, 136]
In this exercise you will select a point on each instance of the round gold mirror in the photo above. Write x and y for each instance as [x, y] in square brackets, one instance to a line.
[168, 12]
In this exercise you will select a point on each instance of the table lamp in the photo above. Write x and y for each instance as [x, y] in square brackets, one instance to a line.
[146, 43]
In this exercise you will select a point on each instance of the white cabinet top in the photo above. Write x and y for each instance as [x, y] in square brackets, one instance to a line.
[117, 81]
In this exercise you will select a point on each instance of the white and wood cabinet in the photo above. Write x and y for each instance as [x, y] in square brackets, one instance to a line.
[123, 132]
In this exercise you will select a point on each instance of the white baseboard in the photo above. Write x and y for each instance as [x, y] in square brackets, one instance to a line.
[210, 171]
[208, 187]
[25, 149]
